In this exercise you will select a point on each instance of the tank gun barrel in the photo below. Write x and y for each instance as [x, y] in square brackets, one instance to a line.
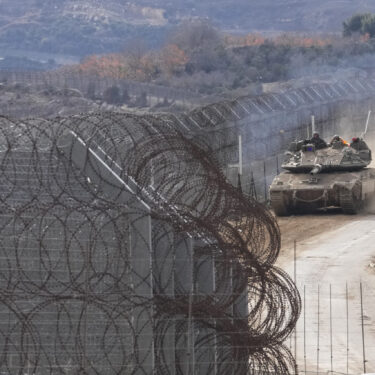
[317, 169]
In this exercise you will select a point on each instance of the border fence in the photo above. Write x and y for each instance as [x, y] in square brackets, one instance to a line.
[266, 123]
[121, 247]
[121, 252]
[94, 86]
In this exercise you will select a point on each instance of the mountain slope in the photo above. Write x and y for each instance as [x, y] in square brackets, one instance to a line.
[82, 27]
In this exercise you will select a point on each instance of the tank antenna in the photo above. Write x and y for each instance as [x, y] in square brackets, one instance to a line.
[313, 130]
[240, 154]
[367, 121]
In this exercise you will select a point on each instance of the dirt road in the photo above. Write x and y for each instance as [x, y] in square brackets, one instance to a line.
[335, 253]
[305, 227]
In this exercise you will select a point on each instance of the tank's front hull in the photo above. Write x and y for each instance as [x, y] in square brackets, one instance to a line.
[302, 193]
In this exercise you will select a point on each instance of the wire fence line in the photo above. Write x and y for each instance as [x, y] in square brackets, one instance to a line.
[334, 333]
[121, 252]
[266, 123]
[92, 84]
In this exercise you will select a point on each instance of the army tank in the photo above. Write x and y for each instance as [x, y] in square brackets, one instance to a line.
[314, 179]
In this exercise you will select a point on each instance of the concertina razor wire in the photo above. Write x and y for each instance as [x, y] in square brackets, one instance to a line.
[124, 250]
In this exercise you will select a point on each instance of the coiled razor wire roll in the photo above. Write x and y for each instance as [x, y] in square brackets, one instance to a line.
[67, 283]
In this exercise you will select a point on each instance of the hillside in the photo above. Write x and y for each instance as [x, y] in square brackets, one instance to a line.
[83, 27]
[77, 27]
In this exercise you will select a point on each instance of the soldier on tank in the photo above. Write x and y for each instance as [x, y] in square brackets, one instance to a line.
[355, 143]
[358, 144]
[318, 142]
[338, 141]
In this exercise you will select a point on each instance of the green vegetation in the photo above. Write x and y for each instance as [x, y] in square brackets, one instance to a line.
[363, 24]
[215, 63]
[200, 58]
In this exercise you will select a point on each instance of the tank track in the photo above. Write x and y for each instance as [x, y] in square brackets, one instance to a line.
[348, 203]
[278, 204]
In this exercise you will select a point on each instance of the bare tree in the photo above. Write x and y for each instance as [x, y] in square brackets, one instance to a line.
[195, 34]
[134, 52]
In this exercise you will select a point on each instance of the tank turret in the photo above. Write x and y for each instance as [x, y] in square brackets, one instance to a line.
[336, 157]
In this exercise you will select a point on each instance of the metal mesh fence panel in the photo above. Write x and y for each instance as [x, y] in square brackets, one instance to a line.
[124, 250]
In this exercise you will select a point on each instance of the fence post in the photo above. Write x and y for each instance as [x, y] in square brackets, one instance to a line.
[206, 351]
[330, 324]
[239, 163]
[304, 327]
[239, 185]
[190, 365]
[240, 154]
[318, 349]
[347, 328]
[184, 286]
[363, 331]
[252, 189]
[295, 282]
[277, 164]
[164, 255]
[265, 182]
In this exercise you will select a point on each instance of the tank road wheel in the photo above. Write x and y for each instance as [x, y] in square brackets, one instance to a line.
[278, 204]
[349, 201]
